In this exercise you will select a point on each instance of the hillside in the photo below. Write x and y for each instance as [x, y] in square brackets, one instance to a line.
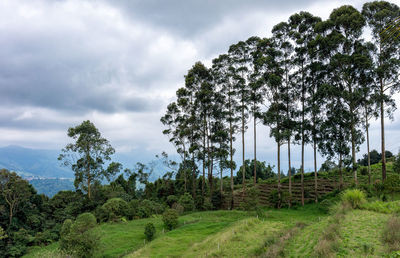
[308, 231]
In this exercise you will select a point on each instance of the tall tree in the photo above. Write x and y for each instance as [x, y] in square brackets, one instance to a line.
[240, 57]
[87, 155]
[307, 77]
[256, 96]
[281, 34]
[379, 16]
[222, 72]
[267, 61]
[346, 63]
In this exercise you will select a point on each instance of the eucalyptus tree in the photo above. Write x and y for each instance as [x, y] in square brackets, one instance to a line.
[240, 57]
[256, 96]
[307, 77]
[267, 62]
[346, 63]
[222, 73]
[386, 57]
[86, 156]
[176, 124]
[282, 37]
[197, 81]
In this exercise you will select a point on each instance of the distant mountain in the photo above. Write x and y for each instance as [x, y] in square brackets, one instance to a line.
[35, 163]
[43, 164]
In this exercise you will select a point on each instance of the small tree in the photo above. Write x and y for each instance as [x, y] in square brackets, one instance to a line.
[87, 155]
[149, 231]
[14, 190]
[78, 238]
[187, 202]
[170, 219]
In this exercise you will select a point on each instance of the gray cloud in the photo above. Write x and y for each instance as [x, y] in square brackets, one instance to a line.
[192, 17]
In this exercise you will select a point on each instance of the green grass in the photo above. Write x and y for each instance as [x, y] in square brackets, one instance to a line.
[222, 237]
[361, 234]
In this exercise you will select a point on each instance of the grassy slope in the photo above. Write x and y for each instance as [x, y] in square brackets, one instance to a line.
[241, 239]
[361, 234]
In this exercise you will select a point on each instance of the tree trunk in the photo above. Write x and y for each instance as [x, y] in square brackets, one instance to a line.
[340, 172]
[243, 167]
[255, 150]
[89, 191]
[368, 154]
[353, 138]
[204, 160]
[290, 175]
[279, 174]
[184, 167]
[231, 160]
[302, 145]
[315, 171]
[194, 178]
[221, 182]
[383, 134]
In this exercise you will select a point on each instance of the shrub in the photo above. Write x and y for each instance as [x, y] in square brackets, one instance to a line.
[170, 219]
[78, 238]
[114, 209]
[260, 213]
[354, 197]
[207, 205]
[187, 202]
[364, 171]
[325, 205]
[217, 200]
[391, 233]
[171, 199]
[278, 201]
[251, 200]
[149, 231]
[392, 184]
[179, 208]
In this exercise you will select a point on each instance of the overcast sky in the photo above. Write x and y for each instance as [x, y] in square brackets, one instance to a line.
[119, 63]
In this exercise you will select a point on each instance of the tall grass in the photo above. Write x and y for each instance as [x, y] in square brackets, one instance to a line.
[354, 197]
[391, 234]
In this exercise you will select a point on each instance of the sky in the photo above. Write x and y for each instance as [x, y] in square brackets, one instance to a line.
[119, 63]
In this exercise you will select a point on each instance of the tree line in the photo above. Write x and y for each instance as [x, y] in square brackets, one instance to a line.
[314, 81]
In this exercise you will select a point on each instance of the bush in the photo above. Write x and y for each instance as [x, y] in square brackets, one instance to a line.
[251, 200]
[325, 205]
[78, 238]
[364, 171]
[179, 208]
[114, 209]
[187, 202]
[354, 197]
[171, 199]
[207, 205]
[276, 201]
[170, 219]
[392, 184]
[217, 200]
[149, 231]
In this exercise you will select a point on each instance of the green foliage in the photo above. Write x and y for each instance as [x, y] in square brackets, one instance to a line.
[114, 209]
[382, 207]
[78, 238]
[3, 234]
[87, 155]
[392, 183]
[326, 205]
[179, 208]
[170, 219]
[187, 202]
[171, 199]
[278, 200]
[149, 231]
[354, 197]
[251, 200]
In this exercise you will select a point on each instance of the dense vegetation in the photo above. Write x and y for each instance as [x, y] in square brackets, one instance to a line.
[313, 82]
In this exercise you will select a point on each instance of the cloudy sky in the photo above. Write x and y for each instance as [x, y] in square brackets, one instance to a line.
[119, 63]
